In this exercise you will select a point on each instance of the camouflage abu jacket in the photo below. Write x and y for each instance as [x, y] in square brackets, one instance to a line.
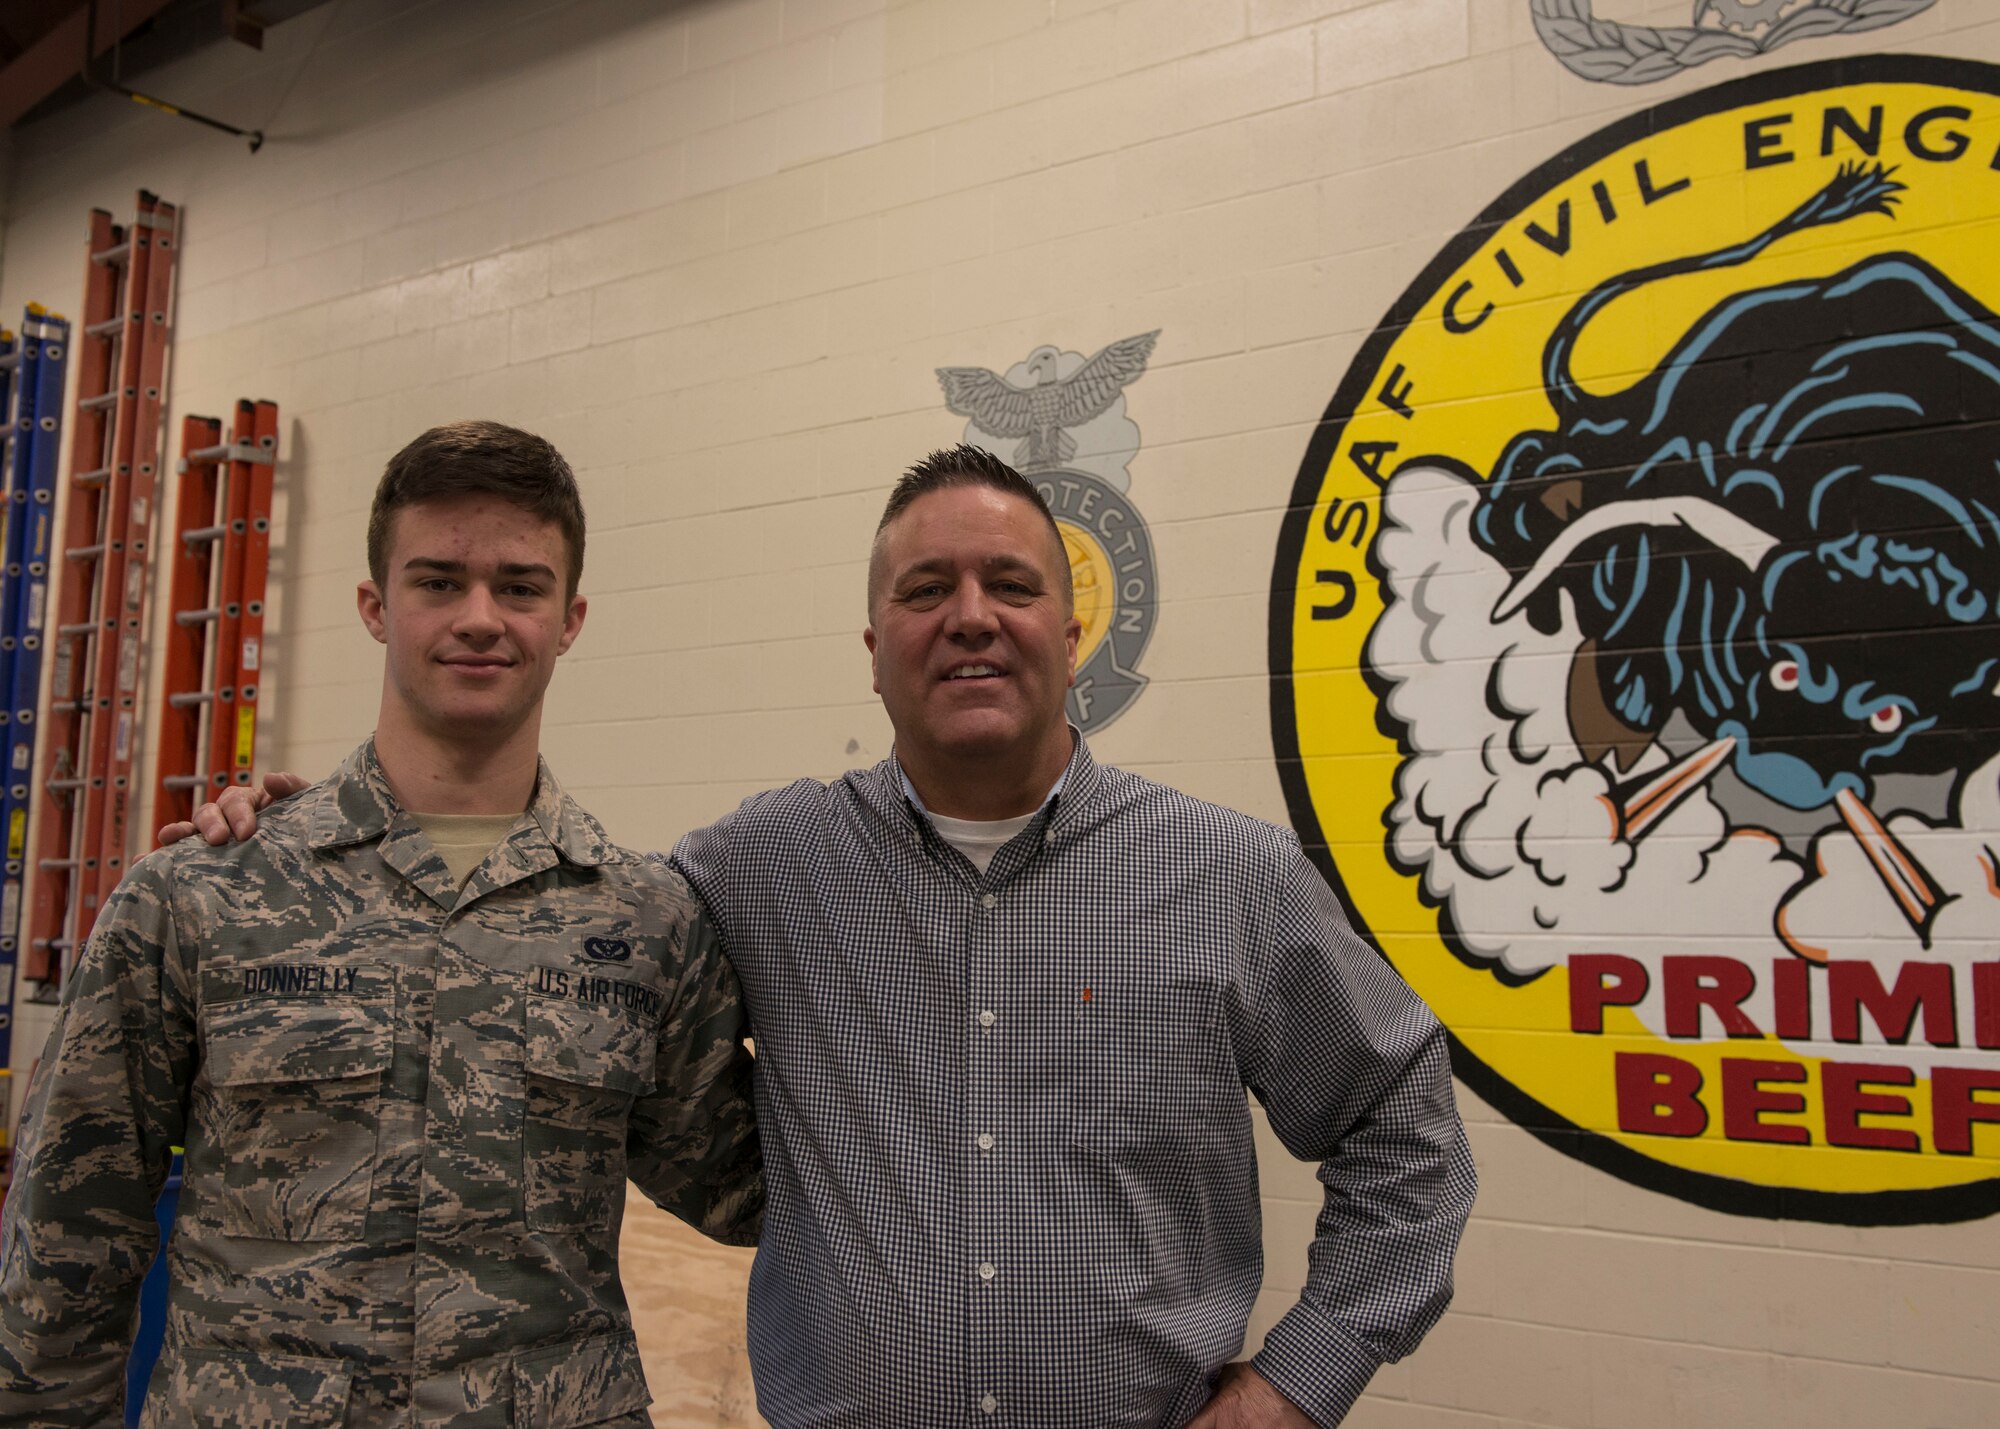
[409, 1114]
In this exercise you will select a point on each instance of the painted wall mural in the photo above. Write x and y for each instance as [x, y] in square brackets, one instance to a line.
[1620, 53]
[1636, 644]
[1059, 419]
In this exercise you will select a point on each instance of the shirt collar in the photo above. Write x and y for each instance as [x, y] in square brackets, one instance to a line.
[1077, 780]
[356, 805]
[917, 802]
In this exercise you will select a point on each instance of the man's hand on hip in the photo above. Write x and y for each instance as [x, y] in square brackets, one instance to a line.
[1244, 1399]
[233, 815]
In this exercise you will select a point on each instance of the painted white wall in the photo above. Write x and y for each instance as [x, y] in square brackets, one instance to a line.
[715, 250]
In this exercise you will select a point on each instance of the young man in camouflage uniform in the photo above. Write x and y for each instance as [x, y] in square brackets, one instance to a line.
[414, 1037]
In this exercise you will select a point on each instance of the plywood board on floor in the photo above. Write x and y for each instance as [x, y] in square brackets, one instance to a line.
[686, 1294]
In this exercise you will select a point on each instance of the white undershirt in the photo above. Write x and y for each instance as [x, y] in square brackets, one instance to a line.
[980, 839]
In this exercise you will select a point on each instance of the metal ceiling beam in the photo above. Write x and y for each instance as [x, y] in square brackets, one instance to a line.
[57, 57]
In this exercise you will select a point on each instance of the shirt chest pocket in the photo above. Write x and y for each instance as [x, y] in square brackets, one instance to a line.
[585, 1061]
[1148, 1061]
[296, 1088]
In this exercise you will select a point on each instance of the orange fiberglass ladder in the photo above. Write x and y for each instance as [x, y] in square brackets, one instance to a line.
[83, 815]
[221, 562]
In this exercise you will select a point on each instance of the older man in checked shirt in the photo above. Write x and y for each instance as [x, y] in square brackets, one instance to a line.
[1007, 1002]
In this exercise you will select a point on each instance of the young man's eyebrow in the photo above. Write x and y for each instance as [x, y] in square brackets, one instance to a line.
[458, 568]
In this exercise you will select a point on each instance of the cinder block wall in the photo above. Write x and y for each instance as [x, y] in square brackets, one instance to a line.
[716, 251]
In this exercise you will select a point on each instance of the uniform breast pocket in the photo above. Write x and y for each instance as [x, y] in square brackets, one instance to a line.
[585, 1062]
[297, 1088]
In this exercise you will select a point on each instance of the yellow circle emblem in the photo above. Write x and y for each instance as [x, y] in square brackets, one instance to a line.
[1096, 595]
[1634, 668]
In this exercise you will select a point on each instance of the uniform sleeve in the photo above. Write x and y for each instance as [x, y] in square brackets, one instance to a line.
[693, 1146]
[1355, 1073]
[108, 1104]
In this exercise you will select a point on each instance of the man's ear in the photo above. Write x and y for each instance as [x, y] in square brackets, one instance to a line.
[874, 673]
[368, 600]
[1072, 636]
[579, 606]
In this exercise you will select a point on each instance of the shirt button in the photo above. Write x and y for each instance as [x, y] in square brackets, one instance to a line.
[986, 1019]
[985, 1141]
[988, 900]
[986, 1270]
[989, 1405]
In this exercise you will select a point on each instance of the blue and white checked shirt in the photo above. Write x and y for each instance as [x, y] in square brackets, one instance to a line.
[1005, 1135]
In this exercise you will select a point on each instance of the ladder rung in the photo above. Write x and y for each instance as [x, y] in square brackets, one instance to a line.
[84, 553]
[87, 627]
[97, 403]
[186, 781]
[92, 478]
[58, 944]
[50, 865]
[107, 327]
[59, 785]
[194, 617]
[115, 254]
[191, 698]
[63, 706]
[11, 360]
[228, 451]
[200, 534]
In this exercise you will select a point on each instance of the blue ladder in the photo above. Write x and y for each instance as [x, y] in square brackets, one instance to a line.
[33, 448]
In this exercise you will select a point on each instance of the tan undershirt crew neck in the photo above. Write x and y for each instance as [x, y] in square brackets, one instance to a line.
[464, 840]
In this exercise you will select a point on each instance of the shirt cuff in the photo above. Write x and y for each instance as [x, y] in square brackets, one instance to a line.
[1315, 1364]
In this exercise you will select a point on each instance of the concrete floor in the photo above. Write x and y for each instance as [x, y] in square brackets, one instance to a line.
[686, 1295]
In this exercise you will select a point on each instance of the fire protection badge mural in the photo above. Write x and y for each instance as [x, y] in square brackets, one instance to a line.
[1636, 661]
[1619, 53]
[1059, 419]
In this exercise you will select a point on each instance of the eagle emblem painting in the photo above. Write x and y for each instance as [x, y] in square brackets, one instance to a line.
[1656, 534]
[1059, 419]
[1618, 53]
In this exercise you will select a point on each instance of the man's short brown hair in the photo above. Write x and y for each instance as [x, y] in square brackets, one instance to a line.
[967, 465]
[478, 459]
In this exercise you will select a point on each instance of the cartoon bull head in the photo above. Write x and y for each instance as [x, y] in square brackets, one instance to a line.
[1786, 532]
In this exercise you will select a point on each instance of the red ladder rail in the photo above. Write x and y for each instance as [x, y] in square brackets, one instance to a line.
[222, 546]
[228, 610]
[104, 558]
[93, 702]
[251, 470]
[178, 773]
[119, 656]
[98, 338]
